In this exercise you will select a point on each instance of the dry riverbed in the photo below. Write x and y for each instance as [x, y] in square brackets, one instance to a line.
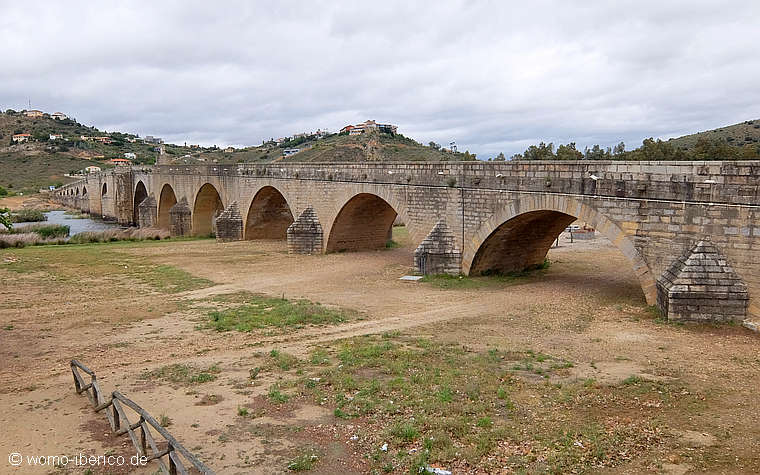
[262, 362]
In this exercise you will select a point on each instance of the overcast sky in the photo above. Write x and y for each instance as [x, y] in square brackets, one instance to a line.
[492, 76]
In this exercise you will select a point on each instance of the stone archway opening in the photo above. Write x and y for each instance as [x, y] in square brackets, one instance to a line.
[520, 243]
[208, 205]
[84, 191]
[140, 194]
[269, 215]
[166, 201]
[364, 223]
[104, 190]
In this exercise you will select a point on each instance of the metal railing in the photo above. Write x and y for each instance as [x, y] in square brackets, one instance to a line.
[143, 441]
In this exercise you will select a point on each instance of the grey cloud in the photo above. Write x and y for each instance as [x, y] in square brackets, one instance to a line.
[494, 76]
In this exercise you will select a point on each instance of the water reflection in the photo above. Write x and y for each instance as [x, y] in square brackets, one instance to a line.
[76, 225]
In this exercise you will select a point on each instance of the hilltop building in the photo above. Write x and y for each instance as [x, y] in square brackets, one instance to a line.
[152, 139]
[59, 116]
[367, 126]
[33, 113]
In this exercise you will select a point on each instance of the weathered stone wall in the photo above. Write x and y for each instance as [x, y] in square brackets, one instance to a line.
[653, 211]
[229, 224]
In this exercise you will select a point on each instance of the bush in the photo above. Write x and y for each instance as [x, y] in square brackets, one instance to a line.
[45, 231]
[27, 216]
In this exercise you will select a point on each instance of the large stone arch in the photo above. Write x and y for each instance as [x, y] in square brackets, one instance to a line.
[530, 224]
[166, 200]
[139, 195]
[104, 190]
[363, 221]
[329, 215]
[206, 207]
[269, 215]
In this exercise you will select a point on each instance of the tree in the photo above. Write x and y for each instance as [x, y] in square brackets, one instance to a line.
[568, 152]
[619, 150]
[5, 218]
[540, 152]
[597, 153]
[434, 145]
[500, 157]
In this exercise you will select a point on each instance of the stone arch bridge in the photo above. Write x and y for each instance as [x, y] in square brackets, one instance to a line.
[690, 230]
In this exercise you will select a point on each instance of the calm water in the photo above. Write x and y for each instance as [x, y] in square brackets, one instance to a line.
[76, 225]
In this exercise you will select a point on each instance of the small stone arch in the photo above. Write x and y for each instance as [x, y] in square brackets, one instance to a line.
[207, 206]
[104, 190]
[363, 222]
[269, 215]
[140, 194]
[77, 191]
[537, 220]
[84, 191]
[166, 200]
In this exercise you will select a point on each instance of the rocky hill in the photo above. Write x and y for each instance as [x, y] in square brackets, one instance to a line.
[744, 133]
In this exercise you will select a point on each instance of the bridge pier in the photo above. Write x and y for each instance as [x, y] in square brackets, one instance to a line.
[147, 213]
[438, 253]
[701, 286]
[180, 219]
[229, 224]
[305, 235]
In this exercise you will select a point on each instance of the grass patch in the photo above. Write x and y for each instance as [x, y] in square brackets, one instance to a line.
[435, 402]
[169, 279]
[488, 279]
[263, 312]
[183, 374]
[102, 262]
[27, 216]
[44, 231]
[303, 462]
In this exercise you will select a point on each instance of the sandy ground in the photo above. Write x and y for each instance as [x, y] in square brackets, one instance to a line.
[587, 308]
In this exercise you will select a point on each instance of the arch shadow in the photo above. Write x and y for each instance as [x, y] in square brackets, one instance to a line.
[140, 194]
[166, 201]
[364, 222]
[269, 215]
[520, 234]
[207, 206]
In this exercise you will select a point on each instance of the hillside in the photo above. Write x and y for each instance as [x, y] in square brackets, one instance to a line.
[744, 133]
[369, 146]
[41, 161]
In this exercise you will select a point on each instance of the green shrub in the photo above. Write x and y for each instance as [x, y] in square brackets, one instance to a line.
[28, 216]
[44, 231]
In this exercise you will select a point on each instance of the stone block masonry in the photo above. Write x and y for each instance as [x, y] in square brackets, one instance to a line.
[180, 219]
[229, 224]
[500, 216]
[701, 286]
[438, 253]
[305, 234]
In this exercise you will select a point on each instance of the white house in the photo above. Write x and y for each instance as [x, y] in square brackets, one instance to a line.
[130, 155]
[59, 116]
[21, 138]
[56, 136]
[92, 169]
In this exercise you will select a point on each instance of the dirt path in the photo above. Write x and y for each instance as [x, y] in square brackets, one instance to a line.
[587, 308]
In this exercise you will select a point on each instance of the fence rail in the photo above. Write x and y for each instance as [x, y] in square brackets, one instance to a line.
[174, 452]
